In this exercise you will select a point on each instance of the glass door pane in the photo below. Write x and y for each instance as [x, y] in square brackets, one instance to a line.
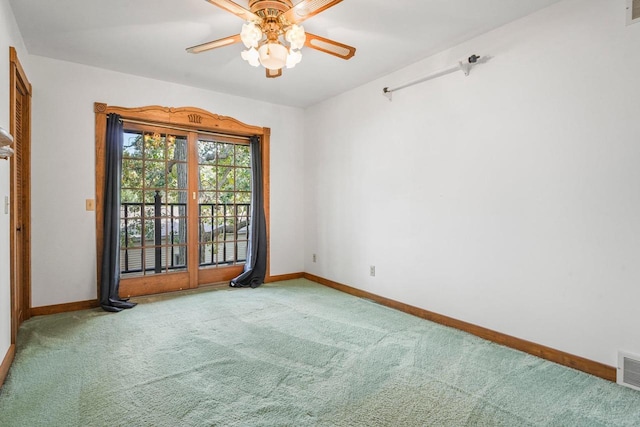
[153, 209]
[224, 197]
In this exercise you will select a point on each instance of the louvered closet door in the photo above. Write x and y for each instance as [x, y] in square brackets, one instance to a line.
[20, 294]
[20, 117]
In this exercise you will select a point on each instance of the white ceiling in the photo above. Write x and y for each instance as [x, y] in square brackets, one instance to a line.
[148, 38]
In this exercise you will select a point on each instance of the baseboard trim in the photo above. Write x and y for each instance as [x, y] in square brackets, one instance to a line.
[283, 277]
[64, 308]
[6, 363]
[85, 305]
[576, 362]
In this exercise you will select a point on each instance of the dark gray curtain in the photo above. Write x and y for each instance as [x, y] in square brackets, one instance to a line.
[110, 280]
[255, 268]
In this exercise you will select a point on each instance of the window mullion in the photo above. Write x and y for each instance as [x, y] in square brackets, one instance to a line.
[193, 214]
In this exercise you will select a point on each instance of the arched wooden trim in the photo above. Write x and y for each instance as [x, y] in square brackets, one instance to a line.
[192, 118]
[189, 117]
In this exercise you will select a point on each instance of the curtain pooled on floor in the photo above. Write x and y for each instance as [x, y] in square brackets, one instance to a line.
[255, 268]
[110, 277]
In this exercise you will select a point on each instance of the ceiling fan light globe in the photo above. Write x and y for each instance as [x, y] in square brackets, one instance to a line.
[273, 55]
[296, 36]
[250, 35]
[251, 56]
[294, 58]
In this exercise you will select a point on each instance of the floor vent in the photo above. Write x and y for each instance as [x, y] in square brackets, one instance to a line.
[633, 11]
[629, 370]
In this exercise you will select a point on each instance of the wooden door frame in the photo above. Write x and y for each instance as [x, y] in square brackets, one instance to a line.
[17, 75]
[192, 119]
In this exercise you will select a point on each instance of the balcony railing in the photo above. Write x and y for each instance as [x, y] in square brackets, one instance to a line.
[153, 237]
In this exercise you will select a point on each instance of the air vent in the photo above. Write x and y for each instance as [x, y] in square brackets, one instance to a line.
[629, 370]
[633, 11]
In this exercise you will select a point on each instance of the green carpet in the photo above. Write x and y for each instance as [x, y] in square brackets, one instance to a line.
[287, 354]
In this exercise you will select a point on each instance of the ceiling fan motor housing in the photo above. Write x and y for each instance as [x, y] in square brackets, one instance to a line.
[269, 8]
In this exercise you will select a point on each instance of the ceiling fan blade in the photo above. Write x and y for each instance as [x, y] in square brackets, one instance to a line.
[306, 9]
[329, 46]
[214, 44]
[272, 74]
[236, 9]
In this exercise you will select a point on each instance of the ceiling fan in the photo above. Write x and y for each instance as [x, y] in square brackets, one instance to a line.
[272, 34]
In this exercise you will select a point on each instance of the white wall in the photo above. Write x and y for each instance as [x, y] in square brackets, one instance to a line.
[63, 156]
[9, 36]
[510, 198]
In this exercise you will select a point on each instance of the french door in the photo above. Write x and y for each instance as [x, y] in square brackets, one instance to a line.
[185, 196]
[184, 211]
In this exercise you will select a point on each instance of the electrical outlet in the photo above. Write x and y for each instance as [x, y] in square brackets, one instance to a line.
[372, 270]
[314, 258]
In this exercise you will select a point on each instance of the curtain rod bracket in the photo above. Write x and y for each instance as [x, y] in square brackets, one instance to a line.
[387, 92]
[465, 68]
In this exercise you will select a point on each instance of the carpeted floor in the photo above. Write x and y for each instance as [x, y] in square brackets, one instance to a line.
[287, 354]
